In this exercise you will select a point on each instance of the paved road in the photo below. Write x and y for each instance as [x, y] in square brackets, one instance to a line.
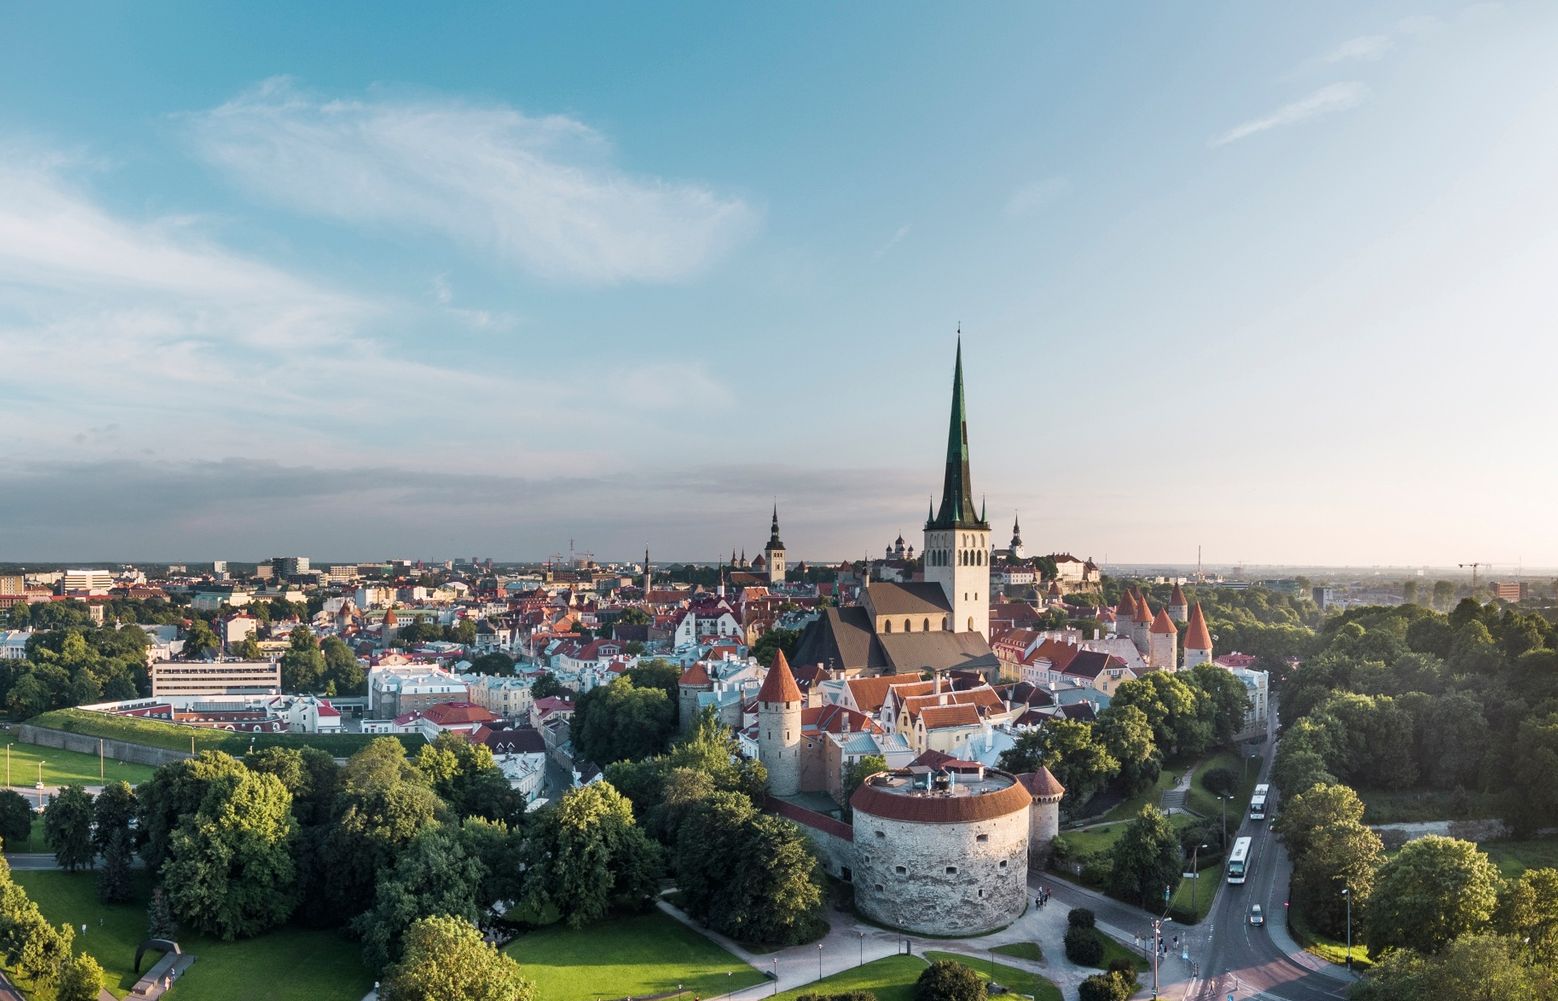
[1235, 956]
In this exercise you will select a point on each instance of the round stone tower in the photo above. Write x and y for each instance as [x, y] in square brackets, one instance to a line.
[1163, 643]
[779, 728]
[1044, 816]
[693, 680]
[1198, 639]
[943, 853]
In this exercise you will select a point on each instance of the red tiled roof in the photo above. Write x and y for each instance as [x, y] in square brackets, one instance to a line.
[695, 676]
[1178, 597]
[1196, 635]
[456, 714]
[955, 715]
[779, 685]
[960, 809]
[1041, 783]
[1163, 624]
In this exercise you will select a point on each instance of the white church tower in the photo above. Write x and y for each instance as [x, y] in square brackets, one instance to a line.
[957, 540]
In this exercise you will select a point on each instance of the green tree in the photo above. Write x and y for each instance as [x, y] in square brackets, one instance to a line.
[28, 697]
[114, 883]
[343, 672]
[303, 665]
[230, 866]
[15, 819]
[434, 875]
[446, 959]
[29, 945]
[81, 979]
[199, 640]
[775, 640]
[467, 777]
[310, 776]
[160, 922]
[1224, 702]
[1068, 750]
[1433, 891]
[1528, 911]
[1173, 710]
[464, 632]
[113, 812]
[1125, 734]
[586, 856]
[1476, 966]
[622, 721]
[858, 771]
[176, 791]
[1444, 593]
[495, 662]
[249, 649]
[1533, 795]
[547, 686]
[67, 828]
[947, 980]
[1146, 860]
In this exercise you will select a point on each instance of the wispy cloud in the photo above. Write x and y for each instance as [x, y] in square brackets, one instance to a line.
[1364, 47]
[1035, 196]
[539, 192]
[892, 241]
[1327, 100]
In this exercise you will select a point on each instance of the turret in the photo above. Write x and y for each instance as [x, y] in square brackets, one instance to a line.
[779, 728]
[1016, 546]
[693, 681]
[1178, 608]
[1141, 626]
[1198, 640]
[1044, 814]
[1163, 643]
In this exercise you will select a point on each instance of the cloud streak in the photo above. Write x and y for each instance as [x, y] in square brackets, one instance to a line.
[1035, 196]
[1365, 47]
[1327, 100]
[538, 192]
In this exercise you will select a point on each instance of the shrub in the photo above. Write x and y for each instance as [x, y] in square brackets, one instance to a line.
[1081, 917]
[945, 980]
[1083, 947]
[1124, 967]
[1220, 781]
[1106, 987]
[847, 996]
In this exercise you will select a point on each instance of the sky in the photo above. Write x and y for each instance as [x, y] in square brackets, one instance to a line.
[362, 280]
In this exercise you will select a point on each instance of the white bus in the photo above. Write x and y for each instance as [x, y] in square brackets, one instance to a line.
[1239, 860]
[1258, 803]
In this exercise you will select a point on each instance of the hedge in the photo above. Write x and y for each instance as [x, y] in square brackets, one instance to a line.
[176, 736]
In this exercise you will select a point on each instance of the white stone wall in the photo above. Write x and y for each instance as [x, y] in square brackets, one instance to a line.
[779, 745]
[1164, 652]
[942, 879]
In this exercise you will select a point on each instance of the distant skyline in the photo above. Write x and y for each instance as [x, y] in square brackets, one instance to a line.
[403, 280]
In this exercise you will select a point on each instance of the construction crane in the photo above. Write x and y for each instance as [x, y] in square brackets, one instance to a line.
[1474, 567]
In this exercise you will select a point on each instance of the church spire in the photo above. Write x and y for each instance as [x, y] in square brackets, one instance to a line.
[773, 532]
[957, 491]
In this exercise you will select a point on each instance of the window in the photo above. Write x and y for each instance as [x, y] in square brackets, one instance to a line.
[881, 834]
[983, 837]
[900, 870]
[927, 624]
[879, 887]
[952, 870]
[887, 626]
[908, 625]
[1003, 863]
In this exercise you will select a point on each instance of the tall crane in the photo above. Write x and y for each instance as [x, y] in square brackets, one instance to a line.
[1474, 567]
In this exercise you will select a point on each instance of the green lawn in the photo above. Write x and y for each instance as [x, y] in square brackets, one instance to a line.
[1515, 857]
[1208, 805]
[1328, 949]
[291, 964]
[1115, 950]
[1099, 839]
[890, 979]
[64, 767]
[1019, 981]
[1022, 950]
[34, 841]
[177, 737]
[1129, 808]
[627, 957]
[1188, 893]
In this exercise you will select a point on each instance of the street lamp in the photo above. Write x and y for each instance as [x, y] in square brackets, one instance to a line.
[1347, 892]
[819, 960]
[776, 976]
[1225, 800]
[1195, 875]
[41, 763]
[862, 947]
[1157, 947]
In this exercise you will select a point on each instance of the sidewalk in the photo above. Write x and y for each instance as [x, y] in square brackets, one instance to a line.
[851, 943]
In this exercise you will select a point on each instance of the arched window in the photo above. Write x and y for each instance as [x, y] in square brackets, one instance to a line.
[887, 625]
[908, 625]
[946, 623]
[970, 623]
[927, 624]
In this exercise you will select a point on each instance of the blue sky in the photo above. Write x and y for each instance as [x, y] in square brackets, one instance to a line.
[382, 279]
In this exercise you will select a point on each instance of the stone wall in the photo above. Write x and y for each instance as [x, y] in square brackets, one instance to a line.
[117, 750]
[942, 879]
[832, 839]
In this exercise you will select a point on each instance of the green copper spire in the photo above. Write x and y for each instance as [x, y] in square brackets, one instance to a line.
[957, 491]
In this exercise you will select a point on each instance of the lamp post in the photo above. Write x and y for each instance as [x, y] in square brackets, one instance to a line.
[819, 960]
[1195, 875]
[1157, 947]
[1225, 800]
[776, 976]
[41, 763]
[862, 947]
[1347, 892]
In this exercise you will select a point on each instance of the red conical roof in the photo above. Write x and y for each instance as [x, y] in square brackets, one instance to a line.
[780, 684]
[695, 675]
[1143, 610]
[1164, 624]
[1196, 635]
[1177, 599]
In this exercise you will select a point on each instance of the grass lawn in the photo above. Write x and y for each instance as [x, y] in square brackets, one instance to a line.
[1019, 981]
[1099, 839]
[1115, 950]
[890, 979]
[1208, 805]
[291, 964]
[627, 957]
[1328, 949]
[1515, 857]
[1181, 902]
[1022, 950]
[1129, 808]
[65, 767]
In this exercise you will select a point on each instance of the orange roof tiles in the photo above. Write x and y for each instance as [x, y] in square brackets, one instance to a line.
[1196, 635]
[779, 685]
[1163, 624]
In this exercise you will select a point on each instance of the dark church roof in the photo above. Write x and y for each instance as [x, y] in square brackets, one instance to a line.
[914, 598]
[957, 491]
[842, 638]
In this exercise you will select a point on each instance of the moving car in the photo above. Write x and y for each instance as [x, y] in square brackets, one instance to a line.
[1257, 917]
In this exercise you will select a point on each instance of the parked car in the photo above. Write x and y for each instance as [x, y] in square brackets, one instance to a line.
[1257, 917]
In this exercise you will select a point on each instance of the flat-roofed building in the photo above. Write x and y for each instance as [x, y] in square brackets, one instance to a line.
[218, 677]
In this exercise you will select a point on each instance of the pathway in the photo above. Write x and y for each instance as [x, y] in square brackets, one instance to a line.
[851, 943]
